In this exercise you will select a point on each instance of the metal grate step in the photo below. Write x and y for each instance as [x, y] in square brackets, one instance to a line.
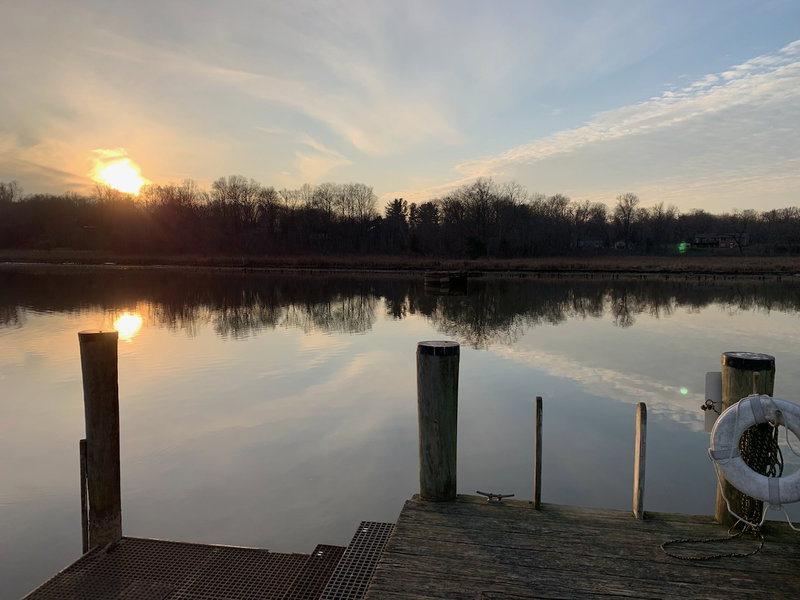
[316, 573]
[351, 578]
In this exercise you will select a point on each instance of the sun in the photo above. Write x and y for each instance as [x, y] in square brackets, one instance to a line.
[121, 175]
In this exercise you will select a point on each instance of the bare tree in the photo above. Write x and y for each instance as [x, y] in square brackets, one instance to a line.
[625, 215]
[741, 223]
[241, 195]
[10, 192]
[364, 201]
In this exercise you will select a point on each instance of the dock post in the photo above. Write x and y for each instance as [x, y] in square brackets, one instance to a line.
[537, 460]
[101, 409]
[639, 460]
[84, 499]
[437, 406]
[743, 373]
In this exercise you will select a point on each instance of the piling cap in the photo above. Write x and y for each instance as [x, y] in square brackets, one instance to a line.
[750, 361]
[438, 348]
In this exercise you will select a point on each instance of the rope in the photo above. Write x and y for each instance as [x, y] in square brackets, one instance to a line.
[760, 451]
[756, 533]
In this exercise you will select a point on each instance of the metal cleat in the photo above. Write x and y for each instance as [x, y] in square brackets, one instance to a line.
[494, 498]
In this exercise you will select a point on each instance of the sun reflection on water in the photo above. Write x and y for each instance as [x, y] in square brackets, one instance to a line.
[128, 325]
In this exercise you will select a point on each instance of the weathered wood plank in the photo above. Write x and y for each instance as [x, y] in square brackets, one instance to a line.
[554, 518]
[473, 549]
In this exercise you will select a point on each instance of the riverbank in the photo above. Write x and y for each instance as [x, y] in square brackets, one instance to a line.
[728, 264]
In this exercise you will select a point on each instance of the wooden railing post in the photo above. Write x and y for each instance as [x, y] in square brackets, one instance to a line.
[537, 460]
[639, 460]
[740, 372]
[101, 409]
[437, 406]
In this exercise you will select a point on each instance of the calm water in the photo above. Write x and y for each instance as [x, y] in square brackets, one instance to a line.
[278, 412]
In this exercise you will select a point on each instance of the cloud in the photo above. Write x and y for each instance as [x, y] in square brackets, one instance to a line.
[347, 91]
[724, 127]
[762, 81]
[313, 162]
[662, 398]
[395, 93]
[50, 163]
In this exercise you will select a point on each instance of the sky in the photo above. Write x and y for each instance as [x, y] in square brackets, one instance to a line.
[694, 104]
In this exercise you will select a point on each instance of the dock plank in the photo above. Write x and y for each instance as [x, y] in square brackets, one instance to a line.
[473, 549]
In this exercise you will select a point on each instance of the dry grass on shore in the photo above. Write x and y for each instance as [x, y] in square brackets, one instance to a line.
[729, 264]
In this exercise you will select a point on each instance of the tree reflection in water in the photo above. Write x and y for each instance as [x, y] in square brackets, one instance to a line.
[494, 310]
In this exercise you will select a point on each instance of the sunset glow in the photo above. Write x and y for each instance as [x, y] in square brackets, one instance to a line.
[128, 325]
[690, 104]
[122, 175]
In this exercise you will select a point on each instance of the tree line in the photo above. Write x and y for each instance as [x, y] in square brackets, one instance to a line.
[495, 310]
[481, 219]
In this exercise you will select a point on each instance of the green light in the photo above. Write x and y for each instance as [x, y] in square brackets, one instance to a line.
[682, 247]
[684, 391]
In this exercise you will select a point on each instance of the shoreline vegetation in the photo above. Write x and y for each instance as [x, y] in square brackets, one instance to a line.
[732, 265]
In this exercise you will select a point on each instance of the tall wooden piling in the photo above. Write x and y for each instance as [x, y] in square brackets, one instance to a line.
[743, 373]
[437, 406]
[101, 408]
[537, 457]
[639, 460]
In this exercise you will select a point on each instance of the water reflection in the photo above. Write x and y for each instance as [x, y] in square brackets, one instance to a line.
[128, 325]
[493, 311]
[245, 390]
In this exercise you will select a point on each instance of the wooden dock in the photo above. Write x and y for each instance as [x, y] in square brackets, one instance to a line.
[471, 548]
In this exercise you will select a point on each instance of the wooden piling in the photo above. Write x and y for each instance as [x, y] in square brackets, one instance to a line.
[437, 406]
[639, 460]
[84, 499]
[743, 373]
[537, 461]
[101, 408]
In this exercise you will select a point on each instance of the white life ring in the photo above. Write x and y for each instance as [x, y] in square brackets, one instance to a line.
[724, 450]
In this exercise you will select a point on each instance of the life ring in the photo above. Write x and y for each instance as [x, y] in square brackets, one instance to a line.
[724, 450]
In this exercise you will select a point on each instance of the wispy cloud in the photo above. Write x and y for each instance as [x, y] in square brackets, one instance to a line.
[313, 161]
[396, 94]
[376, 113]
[662, 398]
[705, 137]
[50, 163]
[760, 83]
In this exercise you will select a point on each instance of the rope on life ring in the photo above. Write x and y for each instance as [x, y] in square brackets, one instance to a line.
[724, 451]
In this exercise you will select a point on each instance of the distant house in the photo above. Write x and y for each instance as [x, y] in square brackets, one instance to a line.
[590, 243]
[720, 240]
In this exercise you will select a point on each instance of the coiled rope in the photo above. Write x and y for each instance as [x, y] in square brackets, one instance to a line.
[760, 451]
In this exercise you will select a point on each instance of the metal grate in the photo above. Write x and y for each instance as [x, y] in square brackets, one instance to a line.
[351, 578]
[245, 573]
[143, 569]
[316, 573]
[152, 560]
[81, 586]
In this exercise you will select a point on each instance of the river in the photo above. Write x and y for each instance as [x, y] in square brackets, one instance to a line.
[278, 411]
